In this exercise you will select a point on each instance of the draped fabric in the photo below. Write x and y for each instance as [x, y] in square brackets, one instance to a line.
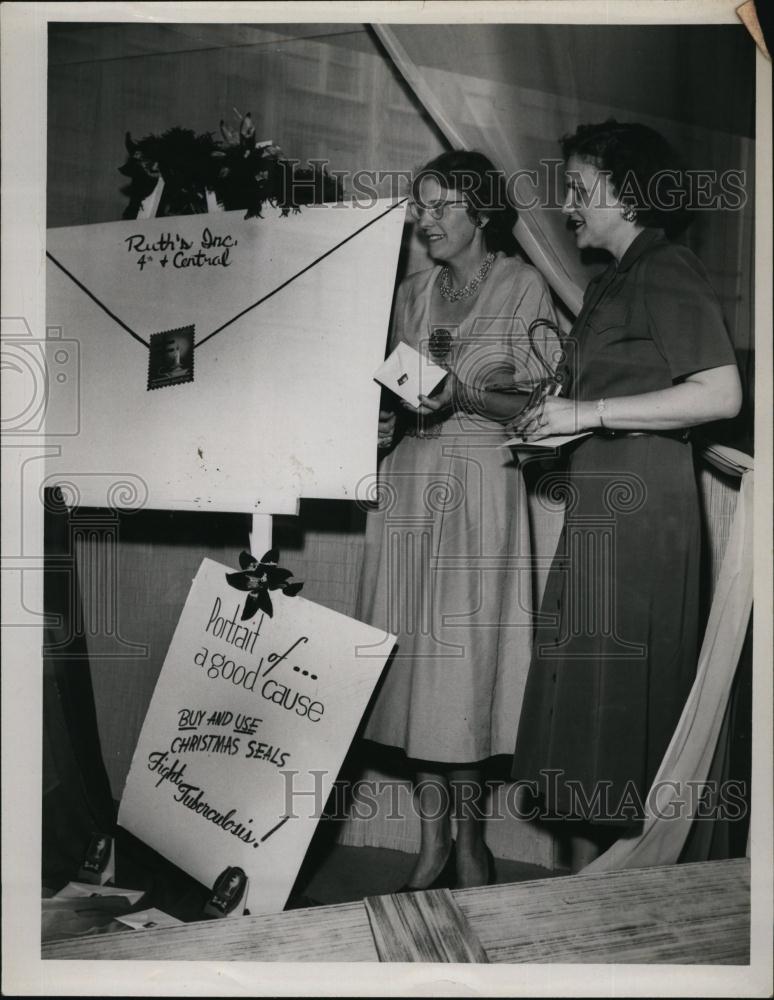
[690, 754]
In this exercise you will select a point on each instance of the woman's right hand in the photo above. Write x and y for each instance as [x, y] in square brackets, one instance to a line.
[555, 415]
[386, 428]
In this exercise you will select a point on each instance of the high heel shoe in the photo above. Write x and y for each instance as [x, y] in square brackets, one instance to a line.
[444, 880]
[491, 874]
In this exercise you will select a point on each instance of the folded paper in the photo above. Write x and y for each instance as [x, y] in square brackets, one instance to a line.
[546, 443]
[84, 890]
[144, 920]
[409, 374]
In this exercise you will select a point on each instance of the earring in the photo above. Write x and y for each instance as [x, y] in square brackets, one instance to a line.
[629, 215]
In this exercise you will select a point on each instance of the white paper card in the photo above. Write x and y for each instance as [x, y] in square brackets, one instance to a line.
[409, 374]
[85, 890]
[246, 733]
[143, 920]
[546, 443]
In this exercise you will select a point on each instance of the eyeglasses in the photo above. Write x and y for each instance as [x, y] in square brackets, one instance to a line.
[434, 210]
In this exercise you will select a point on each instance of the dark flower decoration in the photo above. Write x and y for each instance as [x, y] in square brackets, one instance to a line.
[258, 577]
[440, 345]
[184, 161]
[243, 172]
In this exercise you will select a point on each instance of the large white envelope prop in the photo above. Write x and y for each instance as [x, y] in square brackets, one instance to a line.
[246, 733]
[277, 405]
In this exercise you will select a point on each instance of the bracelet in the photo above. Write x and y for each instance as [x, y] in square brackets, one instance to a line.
[601, 408]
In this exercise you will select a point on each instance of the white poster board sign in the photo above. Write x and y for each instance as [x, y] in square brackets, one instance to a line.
[280, 403]
[246, 733]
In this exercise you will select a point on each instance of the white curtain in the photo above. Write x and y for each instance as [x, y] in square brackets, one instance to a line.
[689, 756]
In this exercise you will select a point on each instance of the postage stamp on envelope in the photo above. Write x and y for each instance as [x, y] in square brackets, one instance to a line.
[171, 357]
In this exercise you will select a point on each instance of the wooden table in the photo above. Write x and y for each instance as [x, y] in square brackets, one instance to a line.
[695, 913]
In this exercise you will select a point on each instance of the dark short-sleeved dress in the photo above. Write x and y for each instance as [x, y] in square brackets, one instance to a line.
[617, 638]
[446, 565]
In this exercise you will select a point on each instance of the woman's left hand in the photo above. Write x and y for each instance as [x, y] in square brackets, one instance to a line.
[554, 415]
[432, 404]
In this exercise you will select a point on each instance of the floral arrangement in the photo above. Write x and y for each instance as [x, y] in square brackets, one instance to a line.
[243, 173]
[258, 577]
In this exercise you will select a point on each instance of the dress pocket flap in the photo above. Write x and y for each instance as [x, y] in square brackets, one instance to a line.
[609, 316]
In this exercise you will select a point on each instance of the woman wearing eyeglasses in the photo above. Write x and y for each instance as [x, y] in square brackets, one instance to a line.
[616, 648]
[446, 563]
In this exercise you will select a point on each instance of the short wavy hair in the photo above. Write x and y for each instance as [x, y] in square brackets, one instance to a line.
[646, 171]
[474, 176]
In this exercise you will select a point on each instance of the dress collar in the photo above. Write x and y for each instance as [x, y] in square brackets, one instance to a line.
[638, 246]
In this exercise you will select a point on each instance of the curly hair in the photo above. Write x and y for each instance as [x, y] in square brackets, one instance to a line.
[646, 172]
[473, 175]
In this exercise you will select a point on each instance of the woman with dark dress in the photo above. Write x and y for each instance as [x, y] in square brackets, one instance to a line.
[649, 358]
[447, 557]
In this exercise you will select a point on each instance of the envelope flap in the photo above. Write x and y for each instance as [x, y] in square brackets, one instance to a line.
[214, 266]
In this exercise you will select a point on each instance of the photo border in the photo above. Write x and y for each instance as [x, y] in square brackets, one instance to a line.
[24, 226]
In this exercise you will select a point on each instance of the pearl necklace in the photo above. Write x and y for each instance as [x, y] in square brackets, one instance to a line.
[455, 294]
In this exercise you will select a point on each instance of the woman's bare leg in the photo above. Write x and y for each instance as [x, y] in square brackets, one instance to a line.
[586, 846]
[431, 796]
[467, 796]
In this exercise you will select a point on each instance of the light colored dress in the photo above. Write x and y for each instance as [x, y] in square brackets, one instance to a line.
[447, 554]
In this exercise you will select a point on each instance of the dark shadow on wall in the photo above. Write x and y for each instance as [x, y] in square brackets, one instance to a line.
[77, 802]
